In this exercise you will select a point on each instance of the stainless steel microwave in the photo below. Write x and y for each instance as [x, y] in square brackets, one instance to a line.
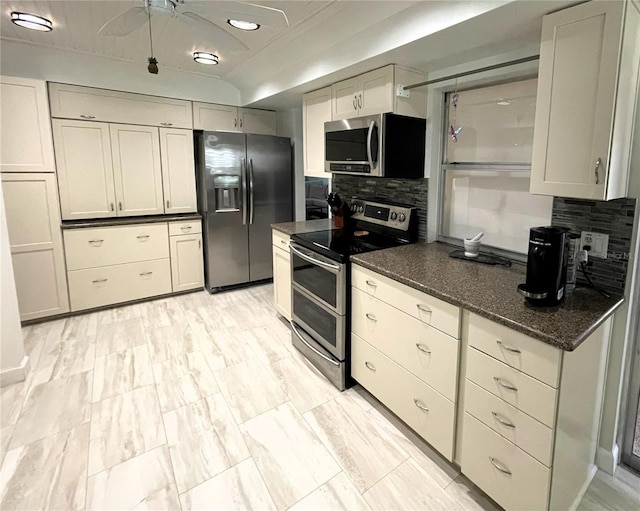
[382, 145]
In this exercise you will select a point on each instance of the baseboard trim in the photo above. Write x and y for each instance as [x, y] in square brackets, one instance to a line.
[583, 489]
[15, 374]
[607, 460]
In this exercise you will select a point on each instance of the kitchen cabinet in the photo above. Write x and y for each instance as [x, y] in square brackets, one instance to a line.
[25, 130]
[33, 220]
[178, 170]
[212, 117]
[88, 103]
[281, 274]
[375, 92]
[586, 100]
[316, 110]
[187, 264]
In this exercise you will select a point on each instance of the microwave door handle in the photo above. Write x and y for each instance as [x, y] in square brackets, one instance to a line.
[369, 135]
[243, 173]
[333, 267]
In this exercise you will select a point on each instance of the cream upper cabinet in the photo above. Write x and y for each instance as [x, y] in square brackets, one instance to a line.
[33, 220]
[212, 117]
[75, 102]
[316, 110]
[25, 129]
[261, 122]
[178, 170]
[85, 169]
[344, 98]
[587, 91]
[376, 92]
[136, 170]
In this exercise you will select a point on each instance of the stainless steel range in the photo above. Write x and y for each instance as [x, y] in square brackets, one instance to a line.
[321, 280]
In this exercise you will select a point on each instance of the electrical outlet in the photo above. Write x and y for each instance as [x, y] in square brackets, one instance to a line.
[598, 243]
[401, 92]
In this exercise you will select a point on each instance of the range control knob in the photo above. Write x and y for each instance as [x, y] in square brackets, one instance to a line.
[354, 207]
[360, 208]
[401, 217]
[394, 215]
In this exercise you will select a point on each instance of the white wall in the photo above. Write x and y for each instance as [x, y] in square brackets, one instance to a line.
[289, 124]
[13, 361]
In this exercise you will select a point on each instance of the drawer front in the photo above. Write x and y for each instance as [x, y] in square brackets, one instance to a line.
[527, 433]
[483, 451]
[433, 311]
[429, 414]
[281, 240]
[186, 227]
[103, 246]
[96, 287]
[516, 388]
[423, 350]
[536, 358]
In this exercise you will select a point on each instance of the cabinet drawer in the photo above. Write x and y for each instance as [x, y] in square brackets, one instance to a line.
[526, 393]
[483, 451]
[524, 431]
[537, 359]
[433, 311]
[96, 287]
[430, 414]
[186, 227]
[281, 240]
[103, 246]
[424, 351]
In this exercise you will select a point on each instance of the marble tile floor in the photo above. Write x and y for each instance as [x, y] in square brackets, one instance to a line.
[200, 402]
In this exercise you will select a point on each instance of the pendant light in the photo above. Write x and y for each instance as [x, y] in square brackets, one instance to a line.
[153, 63]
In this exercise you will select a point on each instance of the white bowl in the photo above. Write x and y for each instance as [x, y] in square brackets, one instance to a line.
[471, 248]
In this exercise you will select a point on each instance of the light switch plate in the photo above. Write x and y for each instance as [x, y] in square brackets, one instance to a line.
[598, 242]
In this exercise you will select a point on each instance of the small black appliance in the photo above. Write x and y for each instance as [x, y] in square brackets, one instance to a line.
[546, 265]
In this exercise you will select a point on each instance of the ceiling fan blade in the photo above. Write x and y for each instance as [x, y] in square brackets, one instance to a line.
[221, 37]
[259, 14]
[125, 23]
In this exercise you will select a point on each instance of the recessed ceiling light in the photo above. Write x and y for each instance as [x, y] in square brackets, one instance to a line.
[202, 57]
[243, 25]
[503, 102]
[31, 21]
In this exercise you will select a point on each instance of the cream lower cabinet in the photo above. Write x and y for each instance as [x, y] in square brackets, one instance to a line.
[33, 220]
[178, 171]
[414, 374]
[281, 274]
[187, 264]
[212, 117]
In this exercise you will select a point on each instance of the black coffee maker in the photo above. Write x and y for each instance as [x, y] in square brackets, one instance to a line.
[546, 265]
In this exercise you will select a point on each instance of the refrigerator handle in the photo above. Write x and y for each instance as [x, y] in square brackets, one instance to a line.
[251, 204]
[243, 172]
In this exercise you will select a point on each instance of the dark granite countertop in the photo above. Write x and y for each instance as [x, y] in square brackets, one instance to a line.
[490, 291]
[320, 224]
[108, 222]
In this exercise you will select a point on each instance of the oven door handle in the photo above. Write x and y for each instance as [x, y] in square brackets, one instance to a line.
[335, 268]
[320, 354]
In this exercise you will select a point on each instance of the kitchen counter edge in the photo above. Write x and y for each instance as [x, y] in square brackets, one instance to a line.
[111, 222]
[319, 224]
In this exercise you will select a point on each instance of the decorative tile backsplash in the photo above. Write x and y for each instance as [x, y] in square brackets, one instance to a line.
[614, 218]
[406, 191]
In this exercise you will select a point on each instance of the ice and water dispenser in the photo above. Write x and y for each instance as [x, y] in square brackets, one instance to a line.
[227, 188]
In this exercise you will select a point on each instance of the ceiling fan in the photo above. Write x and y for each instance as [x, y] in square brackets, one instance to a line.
[135, 17]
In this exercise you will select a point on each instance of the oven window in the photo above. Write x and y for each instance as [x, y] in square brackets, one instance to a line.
[316, 280]
[317, 318]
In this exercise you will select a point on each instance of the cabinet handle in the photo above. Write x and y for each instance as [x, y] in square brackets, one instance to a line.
[502, 468]
[283, 242]
[166, 124]
[87, 116]
[120, 206]
[111, 204]
[502, 420]
[167, 204]
[598, 163]
[508, 348]
[505, 384]
[185, 228]
[420, 405]
[370, 366]
[235, 123]
[371, 317]
[99, 281]
[355, 103]
[241, 122]
[96, 243]
[143, 237]
[359, 100]
[199, 244]
[371, 283]
[146, 273]
[423, 348]
[423, 308]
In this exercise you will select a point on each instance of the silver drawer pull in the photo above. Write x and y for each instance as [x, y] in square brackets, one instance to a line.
[143, 237]
[505, 384]
[502, 420]
[146, 273]
[185, 228]
[508, 348]
[166, 124]
[371, 283]
[370, 366]
[423, 348]
[371, 317]
[96, 243]
[501, 467]
[420, 405]
[423, 308]
[87, 116]
[99, 281]
[283, 242]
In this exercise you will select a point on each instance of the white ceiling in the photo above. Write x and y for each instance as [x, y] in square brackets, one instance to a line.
[326, 40]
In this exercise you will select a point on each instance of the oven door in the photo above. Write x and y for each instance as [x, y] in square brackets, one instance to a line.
[352, 146]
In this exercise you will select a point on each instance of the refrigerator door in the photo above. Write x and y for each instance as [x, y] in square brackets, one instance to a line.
[269, 196]
[224, 191]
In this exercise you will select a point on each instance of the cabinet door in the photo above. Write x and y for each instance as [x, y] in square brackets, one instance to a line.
[25, 129]
[376, 92]
[187, 266]
[261, 122]
[282, 282]
[33, 220]
[85, 169]
[316, 110]
[344, 99]
[136, 170]
[178, 170]
[576, 93]
[210, 117]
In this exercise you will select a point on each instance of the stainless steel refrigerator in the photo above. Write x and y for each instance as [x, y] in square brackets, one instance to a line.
[245, 185]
